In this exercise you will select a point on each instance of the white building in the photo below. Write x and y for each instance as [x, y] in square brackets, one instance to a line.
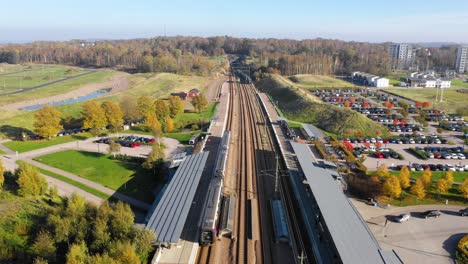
[462, 59]
[382, 82]
[443, 83]
[370, 79]
[428, 80]
[402, 54]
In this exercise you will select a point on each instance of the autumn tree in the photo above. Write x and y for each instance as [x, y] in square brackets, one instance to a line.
[176, 106]
[463, 188]
[129, 108]
[29, 181]
[154, 126]
[426, 104]
[93, 117]
[418, 189]
[448, 176]
[145, 106]
[47, 122]
[77, 254]
[154, 157]
[169, 124]
[404, 177]
[426, 178]
[114, 115]
[161, 110]
[382, 171]
[121, 220]
[199, 102]
[143, 243]
[125, 253]
[114, 147]
[44, 245]
[391, 187]
[442, 186]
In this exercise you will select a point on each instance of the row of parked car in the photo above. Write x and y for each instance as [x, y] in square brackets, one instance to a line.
[403, 127]
[400, 140]
[127, 141]
[427, 214]
[443, 153]
[435, 167]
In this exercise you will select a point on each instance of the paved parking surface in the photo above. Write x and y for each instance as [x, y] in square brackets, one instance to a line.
[419, 240]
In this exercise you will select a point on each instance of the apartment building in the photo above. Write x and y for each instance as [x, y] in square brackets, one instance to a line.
[402, 54]
[462, 59]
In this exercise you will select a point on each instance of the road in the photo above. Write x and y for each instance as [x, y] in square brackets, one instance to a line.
[419, 240]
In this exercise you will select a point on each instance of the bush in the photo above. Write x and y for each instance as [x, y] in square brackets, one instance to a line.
[462, 250]
[419, 153]
[319, 146]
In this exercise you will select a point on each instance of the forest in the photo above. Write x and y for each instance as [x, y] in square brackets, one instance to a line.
[197, 55]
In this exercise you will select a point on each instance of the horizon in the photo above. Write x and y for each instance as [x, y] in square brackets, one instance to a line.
[398, 21]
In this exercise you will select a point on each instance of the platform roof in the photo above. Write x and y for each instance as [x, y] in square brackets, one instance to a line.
[353, 240]
[169, 216]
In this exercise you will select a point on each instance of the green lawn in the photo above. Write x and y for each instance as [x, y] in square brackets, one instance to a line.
[183, 137]
[309, 81]
[452, 98]
[25, 146]
[458, 176]
[432, 197]
[457, 83]
[293, 124]
[395, 77]
[125, 177]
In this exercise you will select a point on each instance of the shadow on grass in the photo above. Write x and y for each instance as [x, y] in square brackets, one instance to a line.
[14, 132]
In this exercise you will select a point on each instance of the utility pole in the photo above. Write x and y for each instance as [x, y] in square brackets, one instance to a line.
[276, 173]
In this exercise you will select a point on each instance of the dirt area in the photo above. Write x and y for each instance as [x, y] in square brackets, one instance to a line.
[118, 83]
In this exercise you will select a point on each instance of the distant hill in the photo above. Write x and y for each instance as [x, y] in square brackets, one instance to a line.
[299, 105]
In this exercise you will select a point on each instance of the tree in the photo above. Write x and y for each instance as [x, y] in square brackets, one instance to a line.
[114, 147]
[2, 175]
[346, 103]
[93, 117]
[121, 220]
[426, 104]
[176, 106]
[77, 254]
[463, 188]
[129, 108]
[442, 185]
[161, 110]
[156, 155]
[29, 181]
[448, 176]
[418, 189]
[47, 122]
[404, 177]
[154, 125]
[382, 171]
[426, 178]
[44, 245]
[125, 253]
[143, 240]
[169, 124]
[114, 115]
[199, 102]
[145, 106]
[391, 187]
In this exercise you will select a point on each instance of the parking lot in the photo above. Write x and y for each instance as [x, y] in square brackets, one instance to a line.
[418, 240]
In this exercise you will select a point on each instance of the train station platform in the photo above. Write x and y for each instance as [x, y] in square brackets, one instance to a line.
[185, 250]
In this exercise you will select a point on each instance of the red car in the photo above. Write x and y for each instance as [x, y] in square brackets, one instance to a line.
[386, 140]
[379, 155]
[437, 156]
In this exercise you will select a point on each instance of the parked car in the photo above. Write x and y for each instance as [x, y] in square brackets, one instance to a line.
[463, 212]
[431, 213]
[402, 218]
[371, 202]
[461, 156]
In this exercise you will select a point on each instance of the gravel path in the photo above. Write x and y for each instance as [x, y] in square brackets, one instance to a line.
[118, 83]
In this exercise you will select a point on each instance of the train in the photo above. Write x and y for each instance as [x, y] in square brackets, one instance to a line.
[209, 226]
[222, 155]
[289, 132]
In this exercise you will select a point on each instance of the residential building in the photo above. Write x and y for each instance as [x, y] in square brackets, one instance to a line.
[370, 80]
[462, 59]
[428, 80]
[402, 54]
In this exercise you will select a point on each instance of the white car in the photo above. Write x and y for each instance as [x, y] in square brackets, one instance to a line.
[450, 167]
[461, 156]
[447, 156]
[430, 155]
[373, 140]
[402, 218]
[411, 141]
[460, 168]
[454, 156]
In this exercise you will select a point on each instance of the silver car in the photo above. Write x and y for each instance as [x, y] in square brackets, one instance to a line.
[402, 218]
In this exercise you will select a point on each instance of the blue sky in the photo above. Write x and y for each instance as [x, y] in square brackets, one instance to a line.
[364, 20]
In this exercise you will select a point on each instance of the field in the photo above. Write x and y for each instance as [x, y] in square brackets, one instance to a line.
[127, 178]
[156, 85]
[458, 176]
[311, 82]
[395, 77]
[452, 98]
[24, 146]
[457, 83]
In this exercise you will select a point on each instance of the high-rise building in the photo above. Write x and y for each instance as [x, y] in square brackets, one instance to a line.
[402, 54]
[462, 59]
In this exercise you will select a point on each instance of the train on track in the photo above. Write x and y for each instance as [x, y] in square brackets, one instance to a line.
[209, 226]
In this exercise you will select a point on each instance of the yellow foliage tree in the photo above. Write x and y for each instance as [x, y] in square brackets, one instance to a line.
[382, 171]
[418, 189]
[169, 124]
[404, 177]
[30, 182]
[94, 117]
[448, 176]
[391, 187]
[442, 186]
[176, 106]
[47, 122]
[426, 178]
[154, 125]
[463, 188]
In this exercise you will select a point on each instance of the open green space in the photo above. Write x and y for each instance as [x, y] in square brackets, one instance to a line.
[458, 176]
[451, 98]
[25, 146]
[457, 83]
[80, 185]
[125, 177]
[309, 81]
[182, 137]
[298, 104]
[396, 77]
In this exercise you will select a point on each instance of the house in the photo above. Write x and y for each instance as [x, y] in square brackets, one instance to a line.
[369, 79]
[181, 95]
[428, 80]
[194, 92]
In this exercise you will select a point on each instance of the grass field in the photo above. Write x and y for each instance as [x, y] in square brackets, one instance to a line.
[183, 137]
[458, 176]
[127, 178]
[432, 197]
[25, 146]
[457, 83]
[311, 82]
[396, 77]
[452, 98]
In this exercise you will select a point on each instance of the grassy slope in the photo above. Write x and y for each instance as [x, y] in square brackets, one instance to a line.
[309, 81]
[127, 178]
[452, 98]
[156, 85]
[301, 106]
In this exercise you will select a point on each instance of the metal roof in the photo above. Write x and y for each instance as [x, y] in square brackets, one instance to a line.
[352, 238]
[169, 216]
[312, 131]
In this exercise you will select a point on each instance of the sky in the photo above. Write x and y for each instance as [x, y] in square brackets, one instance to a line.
[363, 20]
